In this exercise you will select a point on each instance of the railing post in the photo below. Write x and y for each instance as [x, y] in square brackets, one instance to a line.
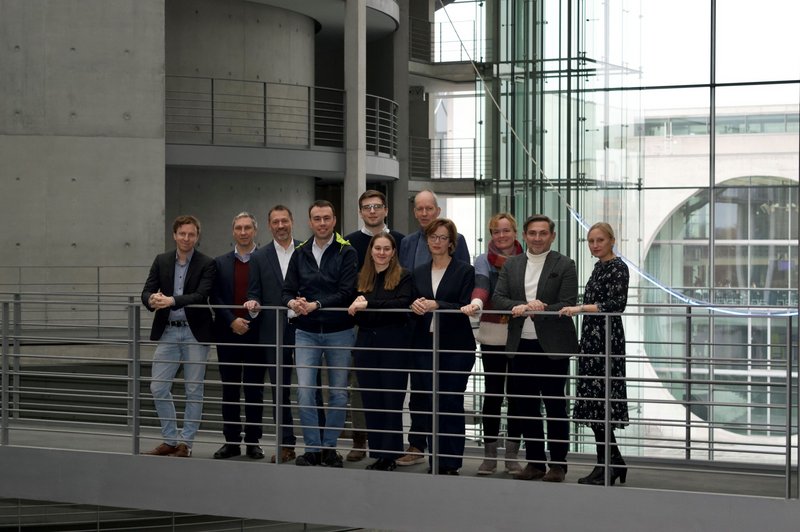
[788, 428]
[264, 108]
[4, 377]
[278, 385]
[131, 304]
[311, 111]
[212, 110]
[435, 396]
[16, 349]
[607, 417]
[688, 385]
[136, 357]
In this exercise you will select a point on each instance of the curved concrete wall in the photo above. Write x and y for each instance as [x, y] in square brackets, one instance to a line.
[239, 40]
[216, 196]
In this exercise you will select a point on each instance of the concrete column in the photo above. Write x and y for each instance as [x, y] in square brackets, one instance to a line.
[399, 199]
[355, 86]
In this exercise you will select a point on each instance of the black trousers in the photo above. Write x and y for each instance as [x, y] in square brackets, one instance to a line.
[535, 379]
[382, 378]
[242, 369]
[495, 386]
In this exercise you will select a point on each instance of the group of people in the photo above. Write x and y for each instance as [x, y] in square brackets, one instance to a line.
[390, 286]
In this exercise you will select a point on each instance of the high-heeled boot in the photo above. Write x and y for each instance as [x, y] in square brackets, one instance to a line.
[597, 475]
[512, 450]
[489, 464]
[618, 469]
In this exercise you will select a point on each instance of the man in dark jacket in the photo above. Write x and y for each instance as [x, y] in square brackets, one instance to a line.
[176, 280]
[322, 274]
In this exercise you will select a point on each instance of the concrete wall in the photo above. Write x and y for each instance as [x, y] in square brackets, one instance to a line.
[81, 132]
[216, 196]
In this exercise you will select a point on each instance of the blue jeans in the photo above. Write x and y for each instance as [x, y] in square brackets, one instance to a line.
[308, 353]
[178, 345]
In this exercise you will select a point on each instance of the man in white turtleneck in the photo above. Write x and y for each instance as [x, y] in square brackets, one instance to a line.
[537, 285]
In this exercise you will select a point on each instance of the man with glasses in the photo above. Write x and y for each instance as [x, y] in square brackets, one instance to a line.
[373, 211]
[322, 273]
[413, 253]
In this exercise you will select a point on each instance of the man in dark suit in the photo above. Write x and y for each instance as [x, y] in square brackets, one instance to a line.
[267, 272]
[176, 280]
[242, 362]
[540, 280]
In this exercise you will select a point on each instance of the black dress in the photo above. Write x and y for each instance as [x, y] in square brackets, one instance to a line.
[608, 289]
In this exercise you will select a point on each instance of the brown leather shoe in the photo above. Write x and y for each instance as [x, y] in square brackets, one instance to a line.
[164, 449]
[358, 452]
[531, 472]
[287, 455]
[556, 474]
[182, 451]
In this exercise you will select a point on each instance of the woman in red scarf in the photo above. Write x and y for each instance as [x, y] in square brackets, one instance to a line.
[492, 337]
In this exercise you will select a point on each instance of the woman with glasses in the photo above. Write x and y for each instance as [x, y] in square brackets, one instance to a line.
[380, 354]
[492, 335]
[444, 284]
[606, 291]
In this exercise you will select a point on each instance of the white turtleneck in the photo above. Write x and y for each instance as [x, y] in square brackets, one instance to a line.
[533, 271]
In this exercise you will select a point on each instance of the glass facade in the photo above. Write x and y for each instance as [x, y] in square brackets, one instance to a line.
[677, 123]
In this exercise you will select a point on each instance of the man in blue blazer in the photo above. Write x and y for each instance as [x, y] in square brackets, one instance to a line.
[413, 252]
[267, 272]
[242, 362]
[537, 281]
[176, 280]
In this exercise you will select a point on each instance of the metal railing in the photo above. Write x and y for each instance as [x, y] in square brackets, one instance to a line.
[228, 112]
[438, 42]
[62, 384]
[447, 158]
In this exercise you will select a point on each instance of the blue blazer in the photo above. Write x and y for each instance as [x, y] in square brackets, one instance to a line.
[407, 254]
[266, 286]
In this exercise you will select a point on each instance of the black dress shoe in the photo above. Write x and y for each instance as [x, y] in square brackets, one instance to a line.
[383, 464]
[255, 452]
[227, 451]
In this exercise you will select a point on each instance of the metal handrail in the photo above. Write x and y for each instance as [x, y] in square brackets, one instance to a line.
[84, 398]
[233, 112]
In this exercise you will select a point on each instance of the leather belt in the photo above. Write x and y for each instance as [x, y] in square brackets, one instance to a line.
[178, 323]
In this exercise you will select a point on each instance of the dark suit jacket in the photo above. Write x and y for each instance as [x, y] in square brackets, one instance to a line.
[407, 250]
[196, 290]
[558, 288]
[223, 294]
[455, 291]
[265, 286]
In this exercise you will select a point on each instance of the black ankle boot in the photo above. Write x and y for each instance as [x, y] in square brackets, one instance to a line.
[620, 473]
[595, 478]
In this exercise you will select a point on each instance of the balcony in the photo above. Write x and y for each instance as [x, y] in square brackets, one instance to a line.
[210, 120]
[76, 412]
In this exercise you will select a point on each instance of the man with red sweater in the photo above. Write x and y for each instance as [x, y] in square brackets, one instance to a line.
[240, 366]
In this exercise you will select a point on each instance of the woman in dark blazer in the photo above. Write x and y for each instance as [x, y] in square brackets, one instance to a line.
[445, 284]
[381, 348]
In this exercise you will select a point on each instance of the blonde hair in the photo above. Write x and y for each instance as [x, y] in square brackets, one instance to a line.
[495, 220]
[604, 227]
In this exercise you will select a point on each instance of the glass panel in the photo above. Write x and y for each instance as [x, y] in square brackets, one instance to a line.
[753, 40]
[731, 214]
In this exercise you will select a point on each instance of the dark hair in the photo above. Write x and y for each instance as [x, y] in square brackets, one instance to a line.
[321, 203]
[539, 218]
[452, 233]
[366, 277]
[280, 207]
[183, 220]
[372, 194]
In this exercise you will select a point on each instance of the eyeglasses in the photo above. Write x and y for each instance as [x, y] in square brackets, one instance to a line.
[438, 238]
[372, 207]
